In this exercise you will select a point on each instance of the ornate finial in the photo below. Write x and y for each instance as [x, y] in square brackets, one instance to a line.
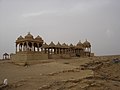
[80, 41]
[28, 32]
[58, 42]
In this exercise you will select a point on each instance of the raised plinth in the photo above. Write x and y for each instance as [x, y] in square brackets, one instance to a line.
[26, 56]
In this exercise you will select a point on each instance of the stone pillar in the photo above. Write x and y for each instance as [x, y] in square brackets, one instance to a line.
[27, 46]
[22, 46]
[19, 47]
[60, 51]
[90, 49]
[48, 51]
[73, 51]
[54, 50]
[38, 47]
[16, 47]
[57, 51]
[32, 48]
[44, 50]
[65, 51]
[51, 51]
[41, 49]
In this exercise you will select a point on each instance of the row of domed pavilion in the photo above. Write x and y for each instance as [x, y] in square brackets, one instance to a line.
[37, 44]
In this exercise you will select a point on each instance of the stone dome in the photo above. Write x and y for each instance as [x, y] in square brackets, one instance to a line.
[58, 45]
[87, 44]
[38, 38]
[79, 43]
[45, 45]
[52, 44]
[71, 45]
[20, 38]
[29, 36]
[64, 45]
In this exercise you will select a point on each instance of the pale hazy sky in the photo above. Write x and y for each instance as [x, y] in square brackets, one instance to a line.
[62, 20]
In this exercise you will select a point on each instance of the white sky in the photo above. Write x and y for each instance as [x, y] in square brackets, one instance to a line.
[62, 20]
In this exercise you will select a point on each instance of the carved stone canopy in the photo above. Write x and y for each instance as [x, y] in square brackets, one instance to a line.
[87, 44]
[29, 36]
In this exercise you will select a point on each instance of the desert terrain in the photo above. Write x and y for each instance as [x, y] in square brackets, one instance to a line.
[92, 73]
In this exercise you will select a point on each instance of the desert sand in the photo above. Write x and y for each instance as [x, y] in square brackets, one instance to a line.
[93, 73]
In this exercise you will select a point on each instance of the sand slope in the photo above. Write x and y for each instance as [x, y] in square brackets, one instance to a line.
[63, 75]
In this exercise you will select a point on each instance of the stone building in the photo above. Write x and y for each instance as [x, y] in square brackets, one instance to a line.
[6, 56]
[30, 48]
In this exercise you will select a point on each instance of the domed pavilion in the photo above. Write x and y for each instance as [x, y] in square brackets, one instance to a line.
[29, 48]
[87, 47]
[28, 43]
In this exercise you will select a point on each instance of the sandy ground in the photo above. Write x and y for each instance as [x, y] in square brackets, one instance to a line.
[96, 73]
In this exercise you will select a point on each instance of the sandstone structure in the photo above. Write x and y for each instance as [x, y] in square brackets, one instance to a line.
[30, 48]
[6, 56]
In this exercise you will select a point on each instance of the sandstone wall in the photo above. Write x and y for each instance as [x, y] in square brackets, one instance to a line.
[28, 56]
